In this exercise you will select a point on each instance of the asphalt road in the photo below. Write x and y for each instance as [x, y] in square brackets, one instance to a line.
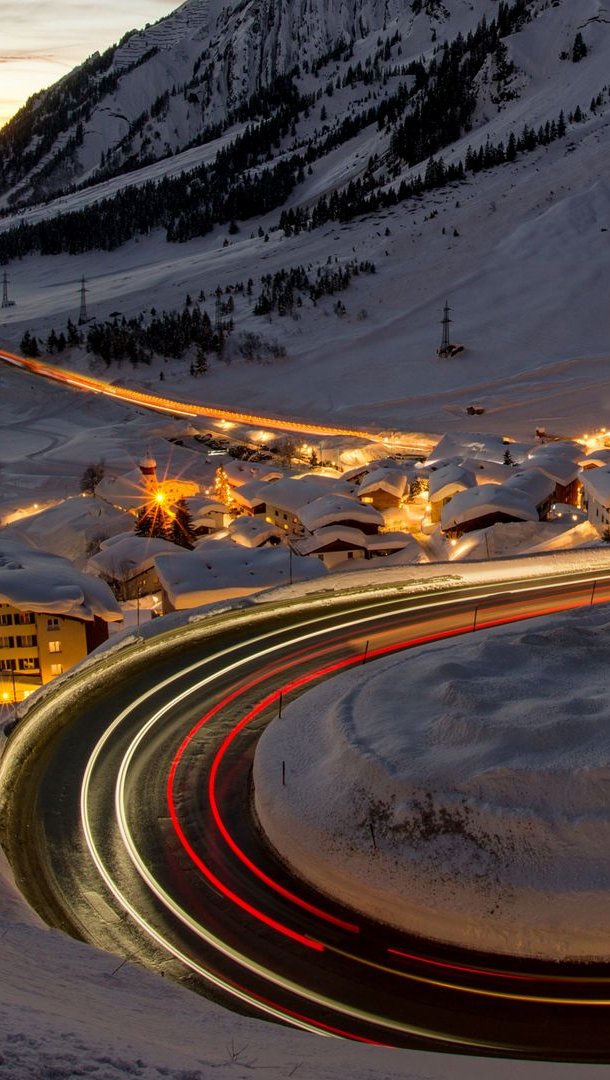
[126, 808]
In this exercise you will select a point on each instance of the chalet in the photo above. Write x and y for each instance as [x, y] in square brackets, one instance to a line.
[286, 499]
[383, 488]
[127, 564]
[208, 514]
[561, 463]
[338, 545]
[480, 507]
[340, 510]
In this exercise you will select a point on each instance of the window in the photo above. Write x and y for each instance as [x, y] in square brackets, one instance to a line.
[27, 641]
[57, 669]
[6, 642]
[55, 646]
[24, 618]
[7, 665]
[28, 663]
[6, 620]
[52, 623]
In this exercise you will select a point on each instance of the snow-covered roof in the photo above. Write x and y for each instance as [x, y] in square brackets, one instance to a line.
[448, 479]
[127, 555]
[390, 480]
[220, 567]
[487, 472]
[251, 494]
[487, 499]
[535, 483]
[480, 445]
[596, 483]
[325, 538]
[558, 460]
[252, 532]
[242, 472]
[32, 580]
[331, 509]
[294, 492]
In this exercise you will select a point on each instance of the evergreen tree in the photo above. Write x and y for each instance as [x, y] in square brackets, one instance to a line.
[181, 531]
[152, 520]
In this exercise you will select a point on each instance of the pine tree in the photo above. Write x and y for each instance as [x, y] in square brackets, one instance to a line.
[181, 531]
[152, 520]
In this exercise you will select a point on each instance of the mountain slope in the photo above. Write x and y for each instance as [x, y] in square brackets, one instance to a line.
[519, 246]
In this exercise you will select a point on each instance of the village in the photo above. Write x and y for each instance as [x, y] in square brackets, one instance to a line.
[207, 516]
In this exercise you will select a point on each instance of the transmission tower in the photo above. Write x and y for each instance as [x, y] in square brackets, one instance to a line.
[445, 343]
[446, 347]
[83, 316]
[6, 303]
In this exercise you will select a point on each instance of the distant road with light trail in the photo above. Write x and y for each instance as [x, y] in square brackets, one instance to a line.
[126, 810]
[416, 443]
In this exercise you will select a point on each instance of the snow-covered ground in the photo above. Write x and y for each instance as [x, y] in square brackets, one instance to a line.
[481, 765]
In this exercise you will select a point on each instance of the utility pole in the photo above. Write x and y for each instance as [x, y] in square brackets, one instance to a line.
[6, 303]
[83, 316]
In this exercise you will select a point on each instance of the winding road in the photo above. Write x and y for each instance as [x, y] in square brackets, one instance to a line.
[127, 817]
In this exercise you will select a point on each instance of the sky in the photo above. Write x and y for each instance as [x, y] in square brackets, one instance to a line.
[41, 40]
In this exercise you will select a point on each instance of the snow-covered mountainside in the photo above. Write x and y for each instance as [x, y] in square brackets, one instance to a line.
[324, 176]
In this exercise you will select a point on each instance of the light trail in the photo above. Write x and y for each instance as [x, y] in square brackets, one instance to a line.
[346, 629]
[187, 409]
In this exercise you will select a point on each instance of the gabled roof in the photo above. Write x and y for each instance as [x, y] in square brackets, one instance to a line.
[535, 483]
[448, 479]
[487, 499]
[294, 492]
[333, 509]
[252, 532]
[125, 555]
[392, 481]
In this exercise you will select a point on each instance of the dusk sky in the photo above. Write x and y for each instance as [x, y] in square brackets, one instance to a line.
[44, 39]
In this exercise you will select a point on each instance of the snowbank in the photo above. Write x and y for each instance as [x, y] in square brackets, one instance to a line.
[481, 769]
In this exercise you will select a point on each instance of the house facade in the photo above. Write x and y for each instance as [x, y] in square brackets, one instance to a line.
[36, 647]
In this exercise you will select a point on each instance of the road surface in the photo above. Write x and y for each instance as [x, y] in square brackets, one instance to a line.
[127, 809]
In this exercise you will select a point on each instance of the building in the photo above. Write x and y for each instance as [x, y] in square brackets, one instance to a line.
[383, 489]
[480, 507]
[596, 494]
[51, 617]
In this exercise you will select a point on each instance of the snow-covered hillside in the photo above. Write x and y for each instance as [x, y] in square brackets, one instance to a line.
[519, 248]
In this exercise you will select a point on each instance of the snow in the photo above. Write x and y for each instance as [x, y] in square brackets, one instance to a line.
[127, 554]
[474, 503]
[333, 509]
[220, 569]
[485, 785]
[32, 580]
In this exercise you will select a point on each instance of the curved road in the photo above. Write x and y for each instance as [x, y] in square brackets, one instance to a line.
[127, 818]
[415, 444]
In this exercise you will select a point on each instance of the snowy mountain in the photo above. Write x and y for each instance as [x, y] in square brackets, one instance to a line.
[179, 82]
[328, 174]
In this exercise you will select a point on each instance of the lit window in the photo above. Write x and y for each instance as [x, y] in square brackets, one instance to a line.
[55, 646]
[57, 669]
[28, 663]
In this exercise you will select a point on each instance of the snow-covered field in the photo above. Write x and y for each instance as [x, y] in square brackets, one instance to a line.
[481, 765]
